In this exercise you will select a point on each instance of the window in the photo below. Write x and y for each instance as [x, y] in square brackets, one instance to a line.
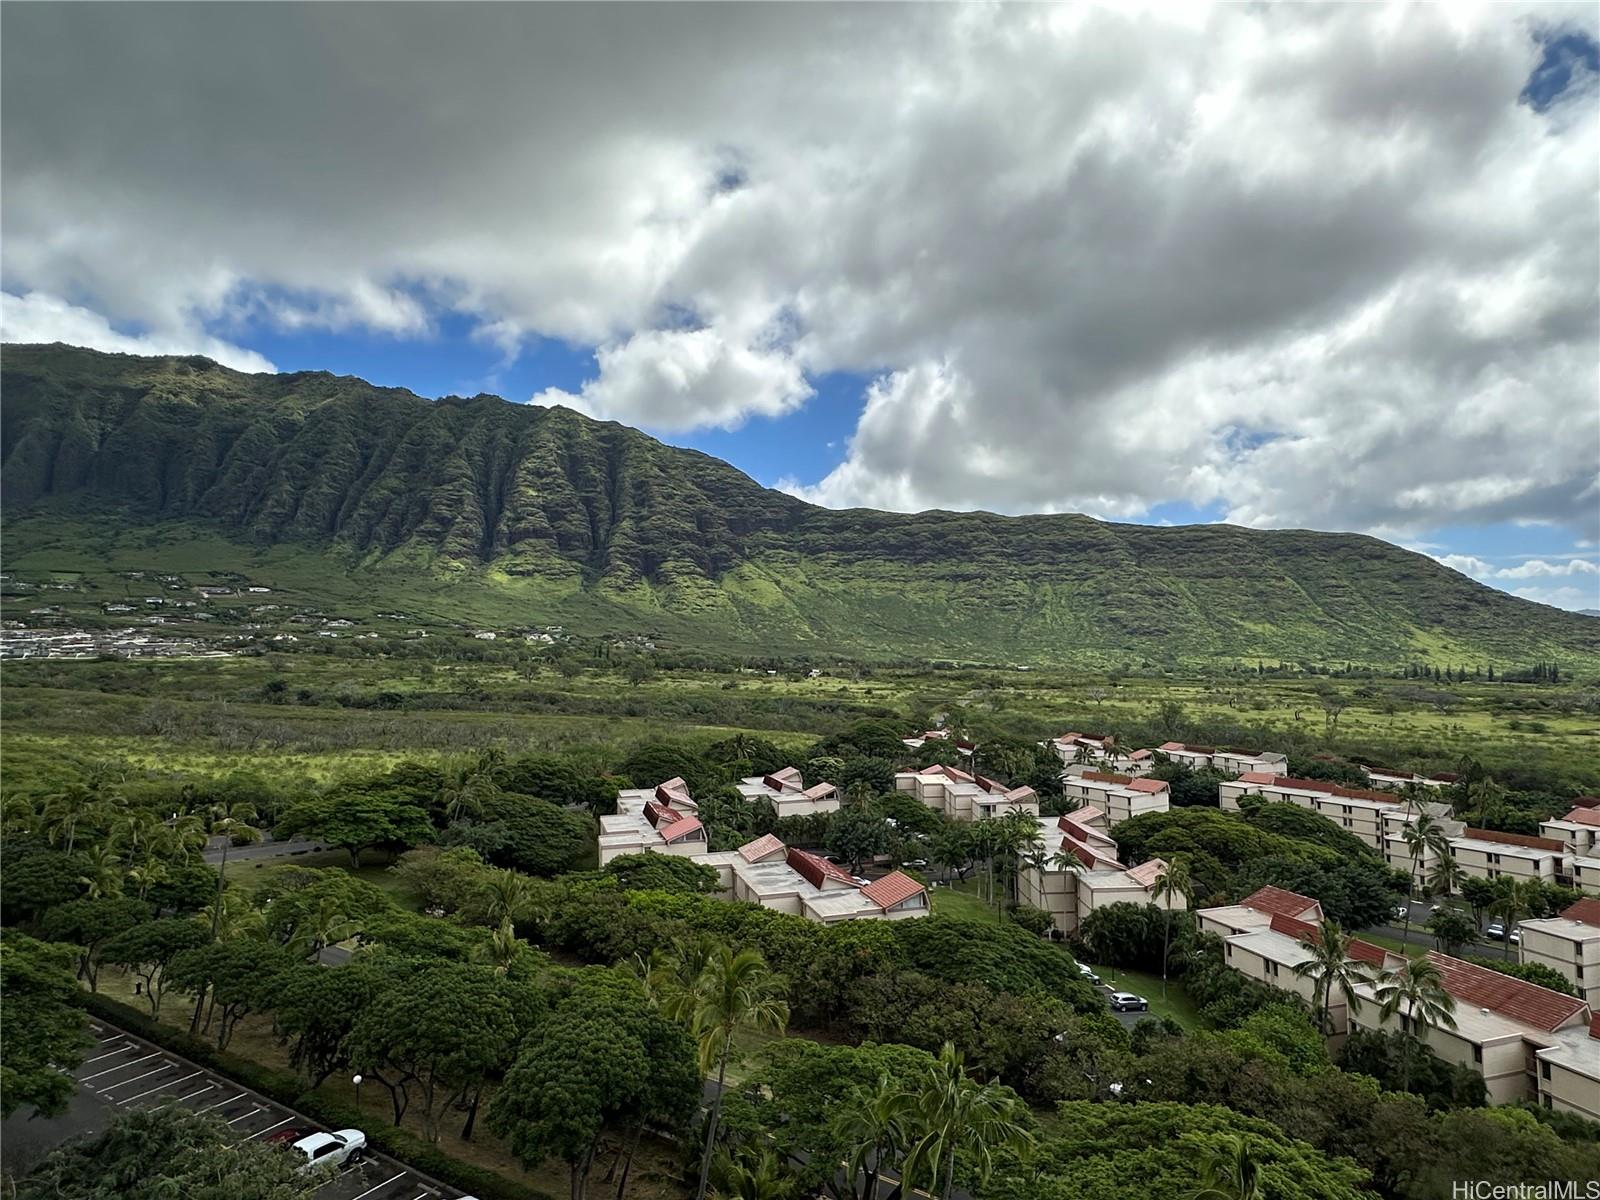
[1547, 1103]
[1477, 1054]
[1544, 1070]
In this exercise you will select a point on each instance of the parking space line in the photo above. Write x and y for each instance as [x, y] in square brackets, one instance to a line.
[256, 1111]
[201, 1092]
[269, 1128]
[113, 1070]
[220, 1103]
[111, 1087]
[108, 1053]
[157, 1088]
[382, 1185]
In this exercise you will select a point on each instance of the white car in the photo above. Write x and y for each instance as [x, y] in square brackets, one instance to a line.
[1088, 973]
[337, 1148]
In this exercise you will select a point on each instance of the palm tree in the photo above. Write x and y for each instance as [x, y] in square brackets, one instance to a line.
[467, 786]
[1422, 835]
[672, 977]
[102, 872]
[323, 926]
[231, 915]
[1332, 971]
[68, 809]
[507, 896]
[752, 1176]
[183, 838]
[1173, 882]
[1415, 990]
[872, 1120]
[735, 993]
[1446, 875]
[503, 948]
[954, 1113]
[1229, 1171]
[230, 821]
[1515, 901]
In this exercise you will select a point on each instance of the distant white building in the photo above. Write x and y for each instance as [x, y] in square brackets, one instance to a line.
[787, 879]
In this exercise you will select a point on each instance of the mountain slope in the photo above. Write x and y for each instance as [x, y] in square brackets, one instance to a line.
[554, 516]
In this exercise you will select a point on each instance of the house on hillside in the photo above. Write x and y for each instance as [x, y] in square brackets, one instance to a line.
[790, 796]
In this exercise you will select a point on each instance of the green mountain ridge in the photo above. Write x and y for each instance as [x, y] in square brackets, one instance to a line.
[542, 514]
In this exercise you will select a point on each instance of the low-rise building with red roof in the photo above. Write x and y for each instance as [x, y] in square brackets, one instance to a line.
[963, 796]
[1491, 854]
[1072, 869]
[788, 794]
[663, 819]
[1119, 796]
[1568, 944]
[788, 879]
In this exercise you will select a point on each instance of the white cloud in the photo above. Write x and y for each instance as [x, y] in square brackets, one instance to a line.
[1311, 265]
[1539, 568]
[36, 317]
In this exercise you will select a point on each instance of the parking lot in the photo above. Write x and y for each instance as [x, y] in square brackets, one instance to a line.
[125, 1072]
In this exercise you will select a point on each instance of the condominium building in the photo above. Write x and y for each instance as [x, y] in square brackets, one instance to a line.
[661, 819]
[1378, 818]
[787, 879]
[1237, 762]
[1388, 779]
[1579, 830]
[1568, 944]
[1268, 934]
[1196, 757]
[789, 795]
[1083, 747]
[917, 741]
[1118, 796]
[1074, 870]
[1490, 854]
[1505, 1029]
[1584, 871]
[962, 796]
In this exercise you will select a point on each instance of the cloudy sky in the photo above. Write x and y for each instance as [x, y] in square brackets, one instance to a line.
[1330, 267]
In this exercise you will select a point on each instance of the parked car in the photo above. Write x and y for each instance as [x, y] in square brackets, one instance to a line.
[1497, 932]
[1128, 1002]
[1088, 974]
[338, 1148]
[915, 864]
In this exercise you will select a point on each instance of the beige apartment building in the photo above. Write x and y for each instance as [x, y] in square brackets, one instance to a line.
[1490, 854]
[1118, 796]
[1579, 832]
[1569, 1071]
[962, 796]
[1069, 895]
[660, 819]
[1569, 944]
[1503, 1029]
[1584, 871]
[1237, 762]
[789, 795]
[786, 879]
[1195, 757]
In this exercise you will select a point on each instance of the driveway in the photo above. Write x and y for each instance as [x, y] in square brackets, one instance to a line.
[260, 850]
[125, 1072]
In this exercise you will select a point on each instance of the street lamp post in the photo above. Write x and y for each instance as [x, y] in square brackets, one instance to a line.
[357, 1081]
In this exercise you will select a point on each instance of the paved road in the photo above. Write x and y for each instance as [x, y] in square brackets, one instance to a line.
[124, 1071]
[260, 850]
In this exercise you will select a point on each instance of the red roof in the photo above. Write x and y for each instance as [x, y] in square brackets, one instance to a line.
[1257, 777]
[1444, 777]
[1106, 777]
[1304, 930]
[1587, 911]
[757, 850]
[1146, 873]
[1139, 755]
[819, 791]
[1147, 785]
[1366, 952]
[1514, 839]
[1366, 794]
[783, 780]
[1583, 816]
[676, 831]
[1586, 801]
[1515, 998]
[894, 888]
[815, 868]
[673, 789]
[657, 811]
[1594, 1026]
[1280, 902]
[955, 773]
[1306, 785]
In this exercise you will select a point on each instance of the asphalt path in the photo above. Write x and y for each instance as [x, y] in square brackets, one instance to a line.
[126, 1072]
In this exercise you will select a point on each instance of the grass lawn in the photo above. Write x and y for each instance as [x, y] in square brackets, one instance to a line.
[961, 900]
[1177, 1005]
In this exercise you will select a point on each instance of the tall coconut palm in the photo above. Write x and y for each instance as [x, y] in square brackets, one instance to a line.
[507, 895]
[1333, 972]
[735, 993]
[323, 926]
[67, 811]
[1446, 875]
[1172, 883]
[1415, 990]
[183, 838]
[953, 1113]
[102, 872]
[1229, 1171]
[467, 786]
[873, 1122]
[231, 822]
[672, 976]
[1516, 899]
[1423, 834]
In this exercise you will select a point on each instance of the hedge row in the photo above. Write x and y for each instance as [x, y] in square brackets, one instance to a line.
[288, 1089]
